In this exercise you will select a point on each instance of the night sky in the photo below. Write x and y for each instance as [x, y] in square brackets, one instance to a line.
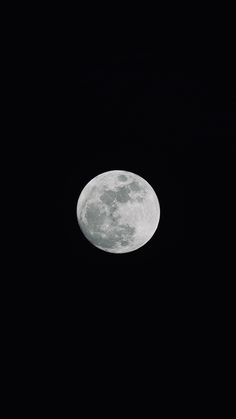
[169, 116]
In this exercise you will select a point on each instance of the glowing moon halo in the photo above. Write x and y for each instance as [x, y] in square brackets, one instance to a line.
[118, 211]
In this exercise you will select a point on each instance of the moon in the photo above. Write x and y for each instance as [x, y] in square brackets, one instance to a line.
[118, 211]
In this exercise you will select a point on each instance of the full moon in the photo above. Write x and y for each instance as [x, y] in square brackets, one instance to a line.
[118, 211]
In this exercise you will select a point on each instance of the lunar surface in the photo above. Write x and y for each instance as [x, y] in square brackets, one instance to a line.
[118, 211]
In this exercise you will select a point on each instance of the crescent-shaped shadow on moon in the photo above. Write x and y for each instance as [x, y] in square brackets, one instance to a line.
[118, 211]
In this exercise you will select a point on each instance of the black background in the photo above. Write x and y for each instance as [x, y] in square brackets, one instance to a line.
[173, 125]
[169, 117]
[171, 122]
